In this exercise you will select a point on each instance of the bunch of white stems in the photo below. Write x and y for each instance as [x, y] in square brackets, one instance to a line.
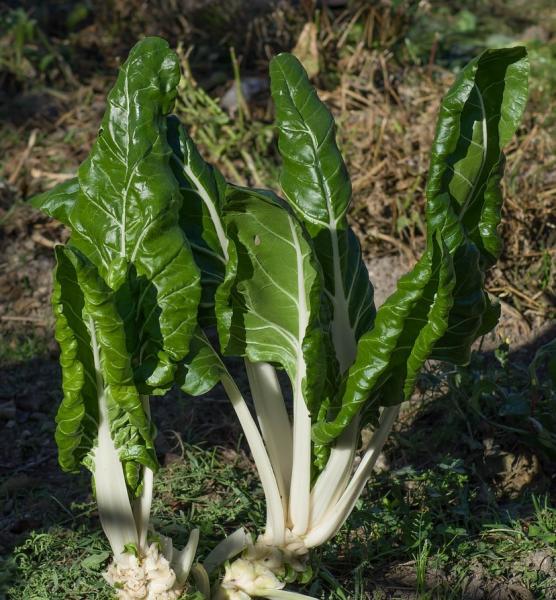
[141, 569]
[299, 516]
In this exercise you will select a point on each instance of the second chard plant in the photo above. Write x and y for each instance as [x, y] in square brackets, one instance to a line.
[282, 285]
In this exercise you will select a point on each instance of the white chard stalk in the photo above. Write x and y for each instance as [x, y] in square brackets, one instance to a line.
[125, 296]
[156, 571]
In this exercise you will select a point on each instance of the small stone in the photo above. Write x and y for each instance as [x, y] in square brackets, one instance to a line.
[18, 482]
[7, 410]
[38, 416]
[172, 459]
[543, 562]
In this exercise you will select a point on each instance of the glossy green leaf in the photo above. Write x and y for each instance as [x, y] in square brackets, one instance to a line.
[203, 191]
[59, 201]
[315, 181]
[427, 322]
[88, 325]
[314, 177]
[78, 414]
[125, 216]
[202, 368]
[478, 117]
[441, 307]
[204, 194]
[390, 356]
[277, 291]
[128, 210]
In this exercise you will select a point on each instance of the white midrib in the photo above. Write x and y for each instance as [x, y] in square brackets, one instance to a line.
[215, 217]
[182, 560]
[114, 508]
[275, 523]
[275, 518]
[483, 157]
[124, 207]
[274, 422]
[335, 517]
[142, 506]
[301, 467]
[333, 480]
[229, 547]
[343, 334]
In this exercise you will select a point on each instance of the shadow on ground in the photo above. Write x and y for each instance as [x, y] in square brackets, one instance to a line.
[447, 476]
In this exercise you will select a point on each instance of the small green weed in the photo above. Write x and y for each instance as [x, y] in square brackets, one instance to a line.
[27, 54]
[501, 394]
[428, 519]
[19, 348]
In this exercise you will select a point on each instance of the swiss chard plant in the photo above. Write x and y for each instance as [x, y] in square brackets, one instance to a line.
[126, 292]
[171, 270]
[286, 287]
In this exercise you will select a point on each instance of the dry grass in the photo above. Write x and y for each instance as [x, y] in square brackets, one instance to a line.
[386, 134]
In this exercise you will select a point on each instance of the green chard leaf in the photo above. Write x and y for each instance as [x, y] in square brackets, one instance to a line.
[125, 216]
[276, 291]
[441, 306]
[59, 201]
[202, 368]
[204, 192]
[478, 117]
[78, 414]
[315, 182]
[127, 184]
[390, 356]
[96, 369]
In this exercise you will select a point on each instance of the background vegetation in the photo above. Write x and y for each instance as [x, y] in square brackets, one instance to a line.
[463, 503]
